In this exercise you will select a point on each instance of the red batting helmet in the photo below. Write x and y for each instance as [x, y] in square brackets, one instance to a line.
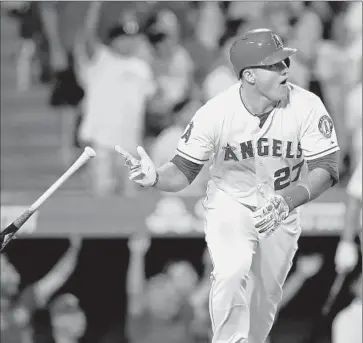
[261, 47]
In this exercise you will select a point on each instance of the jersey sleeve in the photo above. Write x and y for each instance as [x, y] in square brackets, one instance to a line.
[318, 137]
[197, 142]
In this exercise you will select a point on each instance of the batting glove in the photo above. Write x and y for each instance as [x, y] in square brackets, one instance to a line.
[346, 257]
[268, 218]
[141, 171]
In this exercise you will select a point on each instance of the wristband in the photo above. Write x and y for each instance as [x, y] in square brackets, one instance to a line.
[297, 196]
[156, 180]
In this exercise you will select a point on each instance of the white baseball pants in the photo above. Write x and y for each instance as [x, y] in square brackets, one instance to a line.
[248, 274]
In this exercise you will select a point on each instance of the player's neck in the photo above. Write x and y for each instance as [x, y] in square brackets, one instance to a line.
[255, 102]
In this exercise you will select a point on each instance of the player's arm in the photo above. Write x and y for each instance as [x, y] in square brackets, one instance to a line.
[195, 147]
[320, 148]
[323, 174]
[59, 274]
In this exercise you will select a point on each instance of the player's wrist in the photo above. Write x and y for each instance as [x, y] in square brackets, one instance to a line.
[296, 196]
[154, 184]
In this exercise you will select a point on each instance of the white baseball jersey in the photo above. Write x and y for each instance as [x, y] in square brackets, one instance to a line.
[245, 155]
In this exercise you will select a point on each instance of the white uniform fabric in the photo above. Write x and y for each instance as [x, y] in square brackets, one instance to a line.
[249, 274]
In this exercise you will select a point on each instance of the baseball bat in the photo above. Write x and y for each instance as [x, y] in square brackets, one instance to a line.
[321, 323]
[8, 233]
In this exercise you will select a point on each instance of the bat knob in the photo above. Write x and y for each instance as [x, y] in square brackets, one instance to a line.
[90, 152]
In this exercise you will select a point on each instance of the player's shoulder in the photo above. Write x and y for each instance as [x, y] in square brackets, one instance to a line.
[302, 98]
[218, 106]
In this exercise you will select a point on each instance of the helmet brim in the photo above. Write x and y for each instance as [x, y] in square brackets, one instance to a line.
[278, 56]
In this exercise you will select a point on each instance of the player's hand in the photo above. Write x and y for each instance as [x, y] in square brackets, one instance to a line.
[268, 218]
[141, 171]
[139, 243]
[309, 265]
[346, 257]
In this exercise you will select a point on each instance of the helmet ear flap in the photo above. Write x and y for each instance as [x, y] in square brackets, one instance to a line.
[287, 62]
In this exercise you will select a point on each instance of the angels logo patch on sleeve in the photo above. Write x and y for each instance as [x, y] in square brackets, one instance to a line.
[326, 126]
[187, 133]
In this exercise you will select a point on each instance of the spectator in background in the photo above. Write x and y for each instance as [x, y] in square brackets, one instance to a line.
[118, 84]
[17, 308]
[61, 20]
[347, 325]
[307, 34]
[201, 324]
[173, 70]
[221, 76]
[156, 310]
[67, 319]
[332, 69]
[202, 55]
[211, 24]
[30, 31]
[353, 113]
[163, 148]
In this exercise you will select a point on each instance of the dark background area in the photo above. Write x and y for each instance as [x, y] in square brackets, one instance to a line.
[99, 279]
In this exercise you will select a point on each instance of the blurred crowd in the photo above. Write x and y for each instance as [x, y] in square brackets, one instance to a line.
[170, 306]
[134, 73]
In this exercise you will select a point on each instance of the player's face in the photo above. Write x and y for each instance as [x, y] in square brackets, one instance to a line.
[10, 278]
[70, 325]
[163, 300]
[271, 81]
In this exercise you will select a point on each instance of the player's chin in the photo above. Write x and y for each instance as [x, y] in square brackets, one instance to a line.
[281, 92]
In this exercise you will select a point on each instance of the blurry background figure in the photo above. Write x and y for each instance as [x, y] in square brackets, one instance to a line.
[61, 21]
[306, 267]
[163, 148]
[17, 308]
[201, 324]
[173, 68]
[353, 112]
[118, 84]
[334, 68]
[157, 309]
[211, 24]
[32, 54]
[346, 256]
[183, 276]
[347, 325]
[221, 75]
[67, 319]
[25, 12]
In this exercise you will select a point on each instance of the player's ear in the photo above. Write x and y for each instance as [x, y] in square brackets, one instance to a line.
[249, 76]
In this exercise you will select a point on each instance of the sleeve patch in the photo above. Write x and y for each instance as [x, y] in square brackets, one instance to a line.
[187, 133]
[326, 126]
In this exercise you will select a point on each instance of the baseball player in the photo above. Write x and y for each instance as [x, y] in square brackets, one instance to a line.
[274, 148]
